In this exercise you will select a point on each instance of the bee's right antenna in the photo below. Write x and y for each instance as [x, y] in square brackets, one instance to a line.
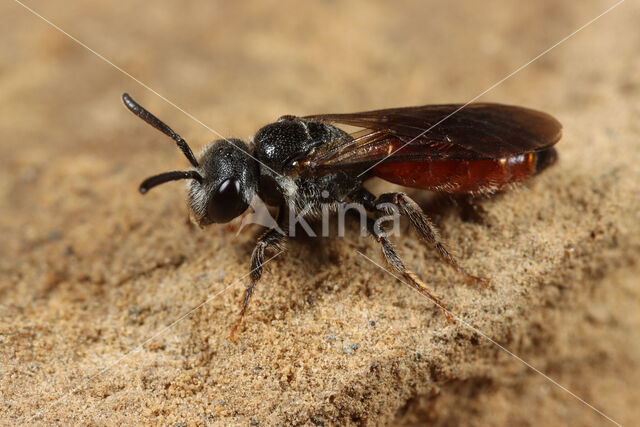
[141, 112]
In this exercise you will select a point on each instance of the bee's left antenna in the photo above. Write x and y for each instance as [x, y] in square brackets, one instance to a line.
[141, 112]
[155, 180]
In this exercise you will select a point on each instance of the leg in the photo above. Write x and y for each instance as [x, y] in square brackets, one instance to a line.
[423, 225]
[420, 222]
[470, 211]
[394, 260]
[270, 239]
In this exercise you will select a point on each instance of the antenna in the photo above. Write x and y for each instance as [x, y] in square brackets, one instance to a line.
[161, 178]
[141, 112]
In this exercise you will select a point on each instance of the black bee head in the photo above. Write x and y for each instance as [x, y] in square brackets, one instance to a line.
[223, 180]
[227, 185]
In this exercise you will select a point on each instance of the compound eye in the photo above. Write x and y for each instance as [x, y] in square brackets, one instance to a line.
[227, 202]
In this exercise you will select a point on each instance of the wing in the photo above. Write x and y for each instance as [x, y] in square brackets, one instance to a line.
[435, 132]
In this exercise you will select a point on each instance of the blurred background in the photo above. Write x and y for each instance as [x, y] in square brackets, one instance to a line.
[71, 158]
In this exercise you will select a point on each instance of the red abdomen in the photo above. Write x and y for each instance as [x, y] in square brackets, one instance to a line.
[474, 176]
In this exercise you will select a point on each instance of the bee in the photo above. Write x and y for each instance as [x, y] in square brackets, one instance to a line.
[309, 162]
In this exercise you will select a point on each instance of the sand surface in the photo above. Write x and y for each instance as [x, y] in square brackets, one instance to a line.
[92, 273]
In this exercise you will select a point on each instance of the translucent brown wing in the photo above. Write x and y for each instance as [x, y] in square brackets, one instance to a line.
[475, 132]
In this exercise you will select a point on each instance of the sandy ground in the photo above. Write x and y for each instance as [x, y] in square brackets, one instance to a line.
[90, 270]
